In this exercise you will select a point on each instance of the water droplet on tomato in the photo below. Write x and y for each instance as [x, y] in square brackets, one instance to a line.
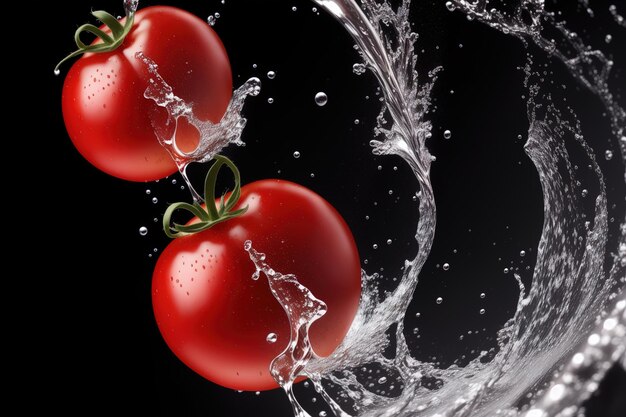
[271, 338]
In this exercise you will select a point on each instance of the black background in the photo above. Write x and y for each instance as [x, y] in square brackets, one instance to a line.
[94, 273]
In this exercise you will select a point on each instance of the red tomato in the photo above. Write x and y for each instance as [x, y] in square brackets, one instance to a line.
[216, 318]
[104, 108]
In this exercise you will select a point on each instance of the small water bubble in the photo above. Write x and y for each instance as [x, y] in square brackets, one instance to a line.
[296, 154]
[390, 192]
[375, 246]
[450, 6]
[271, 338]
[482, 311]
[418, 315]
[271, 75]
[314, 9]
[584, 193]
[270, 100]
[57, 71]
[382, 380]
[174, 181]
[257, 393]
[522, 253]
[608, 155]
[294, 9]
[148, 192]
[439, 300]
[608, 38]
[389, 241]
[482, 295]
[254, 66]
[217, 15]
[143, 230]
[357, 121]
[446, 266]
[358, 68]
[323, 414]
[211, 20]
[321, 99]
[447, 134]
[380, 167]
[155, 200]
[506, 270]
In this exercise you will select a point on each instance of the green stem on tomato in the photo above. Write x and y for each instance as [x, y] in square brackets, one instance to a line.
[212, 214]
[109, 43]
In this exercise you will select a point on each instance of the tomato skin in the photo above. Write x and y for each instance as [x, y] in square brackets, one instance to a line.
[216, 318]
[105, 112]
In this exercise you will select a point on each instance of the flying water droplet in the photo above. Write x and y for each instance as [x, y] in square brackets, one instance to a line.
[358, 68]
[321, 99]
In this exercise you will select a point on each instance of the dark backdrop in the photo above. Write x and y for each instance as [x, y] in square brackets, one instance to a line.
[93, 275]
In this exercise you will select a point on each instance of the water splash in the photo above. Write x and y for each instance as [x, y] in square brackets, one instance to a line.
[213, 137]
[531, 21]
[302, 310]
[130, 7]
[564, 313]
[570, 287]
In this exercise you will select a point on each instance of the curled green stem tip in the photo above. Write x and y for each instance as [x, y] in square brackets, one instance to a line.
[212, 214]
[109, 42]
